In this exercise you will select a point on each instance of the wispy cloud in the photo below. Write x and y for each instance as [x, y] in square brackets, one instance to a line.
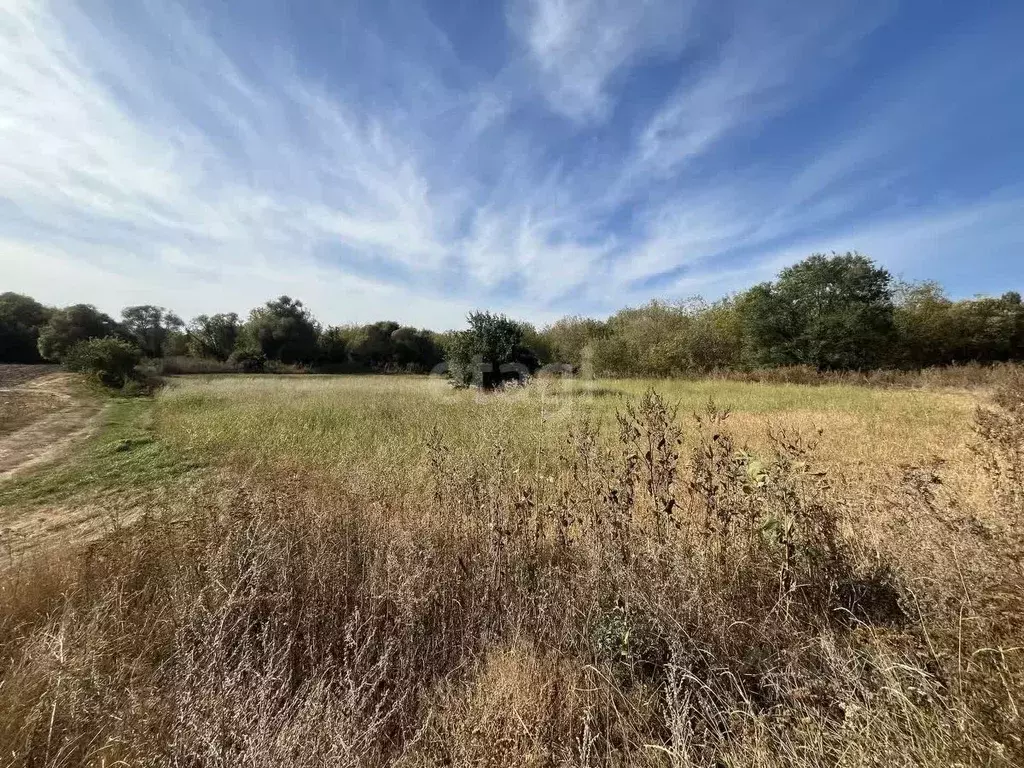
[774, 54]
[606, 153]
[579, 45]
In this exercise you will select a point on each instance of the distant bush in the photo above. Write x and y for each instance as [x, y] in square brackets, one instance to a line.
[282, 330]
[248, 361]
[110, 361]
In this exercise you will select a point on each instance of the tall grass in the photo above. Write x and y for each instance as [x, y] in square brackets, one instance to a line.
[442, 579]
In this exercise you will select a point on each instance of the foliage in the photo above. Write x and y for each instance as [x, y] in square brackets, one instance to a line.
[832, 312]
[214, 336]
[110, 361]
[415, 349]
[934, 330]
[490, 352]
[370, 346]
[332, 346]
[21, 318]
[283, 330]
[571, 340]
[67, 327]
[829, 314]
[248, 360]
[150, 328]
[538, 343]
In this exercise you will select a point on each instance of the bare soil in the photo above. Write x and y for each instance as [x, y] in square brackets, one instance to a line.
[16, 375]
[41, 419]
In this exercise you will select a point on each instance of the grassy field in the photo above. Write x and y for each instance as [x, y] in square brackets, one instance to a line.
[365, 570]
[379, 427]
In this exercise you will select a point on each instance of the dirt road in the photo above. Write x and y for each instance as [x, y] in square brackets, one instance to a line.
[41, 420]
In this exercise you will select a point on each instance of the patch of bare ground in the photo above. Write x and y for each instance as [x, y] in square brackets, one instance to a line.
[42, 420]
[14, 375]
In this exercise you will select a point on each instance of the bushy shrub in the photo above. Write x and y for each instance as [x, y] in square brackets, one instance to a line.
[110, 361]
[71, 325]
[248, 360]
[490, 353]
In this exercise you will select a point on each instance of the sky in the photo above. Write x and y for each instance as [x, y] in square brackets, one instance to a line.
[403, 160]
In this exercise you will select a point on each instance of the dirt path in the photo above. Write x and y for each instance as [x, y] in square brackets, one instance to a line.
[46, 418]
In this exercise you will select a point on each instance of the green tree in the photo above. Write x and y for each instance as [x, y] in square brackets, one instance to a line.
[150, 327]
[925, 326]
[539, 343]
[371, 346]
[489, 352]
[214, 336]
[333, 346]
[716, 337]
[832, 312]
[283, 330]
[67, 327]
[415, 349]
[21, 318]
[572, 339]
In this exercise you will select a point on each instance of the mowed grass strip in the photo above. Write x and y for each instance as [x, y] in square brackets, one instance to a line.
[125, 457]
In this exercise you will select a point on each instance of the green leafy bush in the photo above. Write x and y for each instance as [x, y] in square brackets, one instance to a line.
[110, 361]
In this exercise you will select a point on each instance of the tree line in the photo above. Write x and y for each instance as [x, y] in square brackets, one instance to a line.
[830, 312]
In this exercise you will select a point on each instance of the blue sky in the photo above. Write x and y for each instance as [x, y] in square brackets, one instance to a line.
[412, 161]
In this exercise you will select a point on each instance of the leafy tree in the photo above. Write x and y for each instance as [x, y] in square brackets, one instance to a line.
[371, 345]
[333, 346]
[415, 349]
[283, 330]
[66, 327]
[538, 343]
[111, 361]
[21, 318]
[716, 336]
[572, 339]
[150, 327]
[925, 326]
[934, 330]
[176, 344]
[490, 352]
[832, 312]
[214, 335]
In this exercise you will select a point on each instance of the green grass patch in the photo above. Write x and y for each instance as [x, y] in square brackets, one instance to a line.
[125, 457]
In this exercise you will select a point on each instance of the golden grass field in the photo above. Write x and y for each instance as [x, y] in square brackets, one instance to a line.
[342, 425]
[371, 570]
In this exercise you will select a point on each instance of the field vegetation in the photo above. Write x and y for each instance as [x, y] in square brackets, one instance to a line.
[784, 528]
[834, 314]
[366, 570]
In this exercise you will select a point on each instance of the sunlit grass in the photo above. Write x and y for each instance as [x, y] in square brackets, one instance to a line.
[374, 571]
[377, 428]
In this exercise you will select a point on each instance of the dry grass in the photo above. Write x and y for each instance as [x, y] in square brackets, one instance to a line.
[966, 376]
[398, 574]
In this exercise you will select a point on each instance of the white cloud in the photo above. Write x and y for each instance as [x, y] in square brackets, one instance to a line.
[579, 45]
